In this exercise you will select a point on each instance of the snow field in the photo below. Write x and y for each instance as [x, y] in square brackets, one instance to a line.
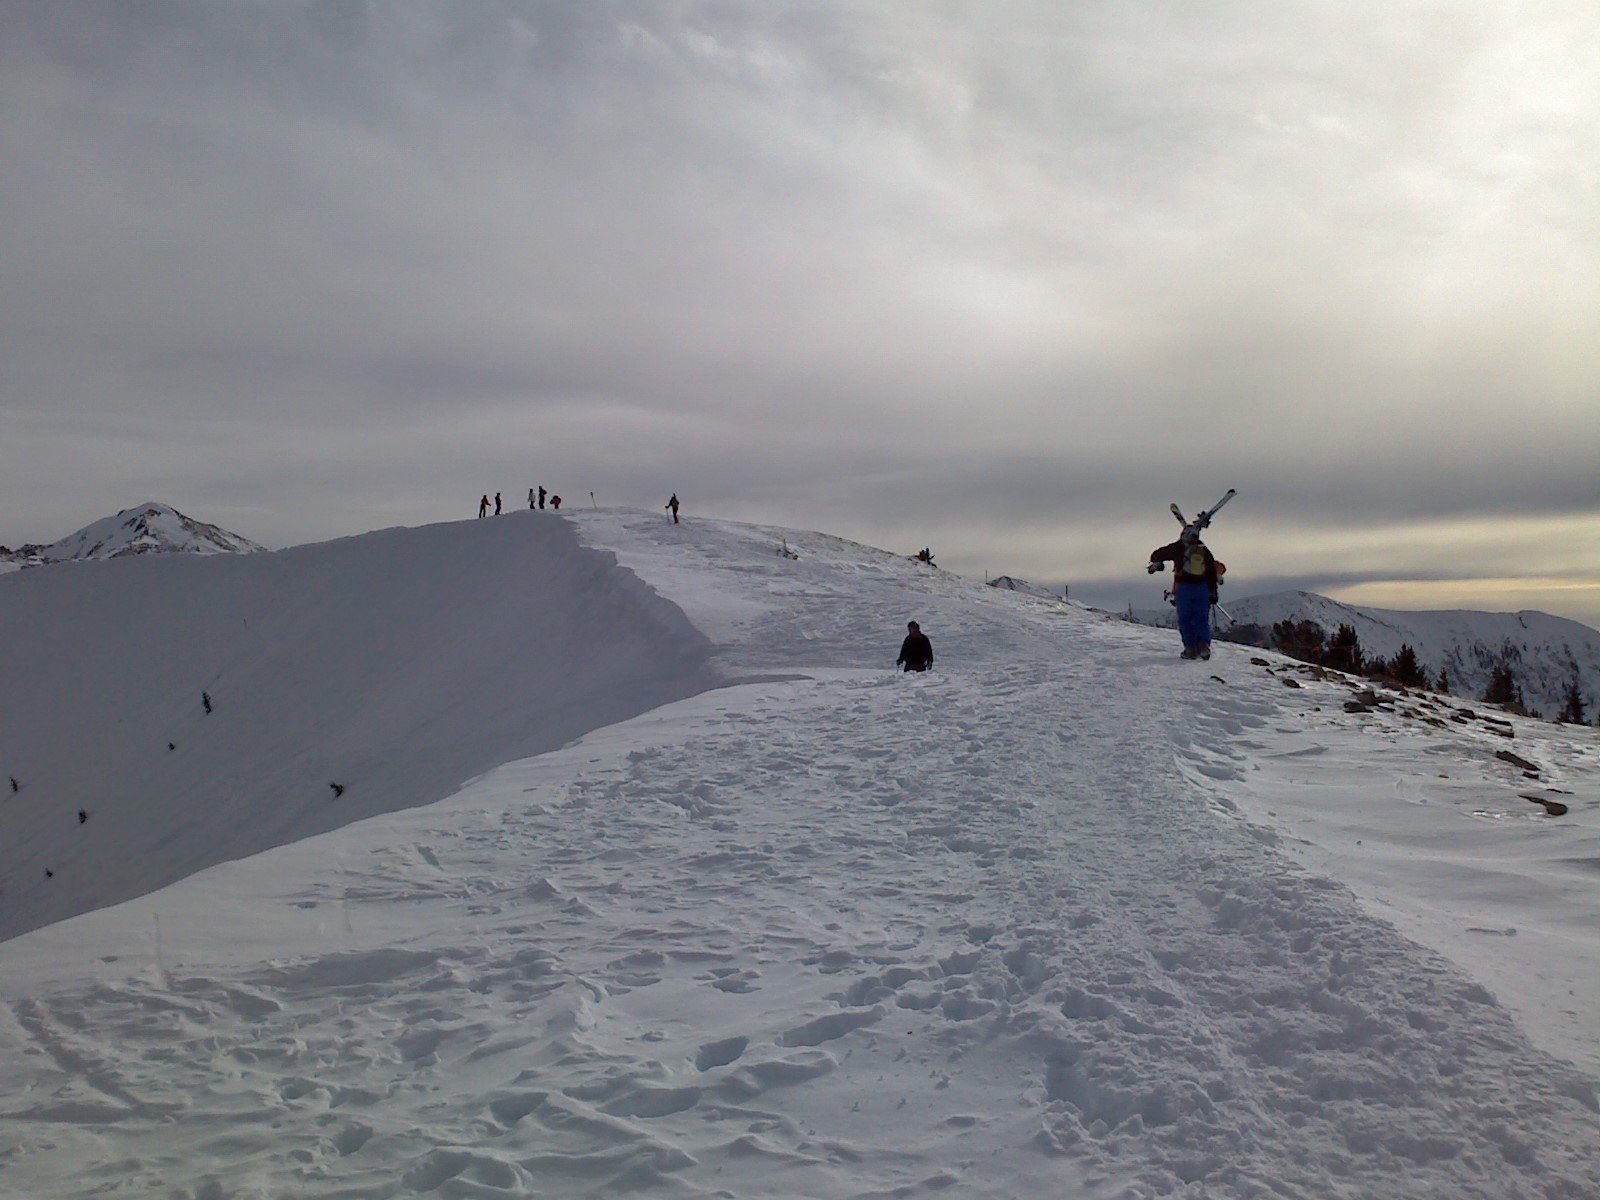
[397, 665]
[1414, 807]
[831, 932]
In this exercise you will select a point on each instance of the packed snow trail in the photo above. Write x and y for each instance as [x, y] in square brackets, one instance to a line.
[830, 933]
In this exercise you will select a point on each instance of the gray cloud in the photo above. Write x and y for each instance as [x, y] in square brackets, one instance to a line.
[1009, 279]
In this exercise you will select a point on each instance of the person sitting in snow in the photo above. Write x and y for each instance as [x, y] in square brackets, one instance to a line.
[916, 652]
[1194, 588]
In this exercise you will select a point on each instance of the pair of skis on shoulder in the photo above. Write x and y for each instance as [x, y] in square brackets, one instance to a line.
[1204, 519]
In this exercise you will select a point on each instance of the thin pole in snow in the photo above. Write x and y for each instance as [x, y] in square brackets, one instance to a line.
[591, 501]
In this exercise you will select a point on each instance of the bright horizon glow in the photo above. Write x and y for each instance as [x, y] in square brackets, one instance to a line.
[1559, 597]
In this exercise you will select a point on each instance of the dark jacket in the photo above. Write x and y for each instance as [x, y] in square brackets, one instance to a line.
[1183, 555]
[916, 652]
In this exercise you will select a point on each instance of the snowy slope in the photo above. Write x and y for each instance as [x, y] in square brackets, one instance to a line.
[145, 529]
[1545, 652]
[1002, 930]
[397, 665]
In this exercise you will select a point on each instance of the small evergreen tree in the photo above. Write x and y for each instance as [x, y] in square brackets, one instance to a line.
[1344, 651]
[1503, 688]
[1572, 711]
[1444, 681]
[1407, 670]
[1299, 639]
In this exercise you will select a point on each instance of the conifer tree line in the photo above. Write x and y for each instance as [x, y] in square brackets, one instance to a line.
[1309, 642]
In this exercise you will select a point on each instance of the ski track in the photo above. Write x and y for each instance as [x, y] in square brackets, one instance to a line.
[990, 931]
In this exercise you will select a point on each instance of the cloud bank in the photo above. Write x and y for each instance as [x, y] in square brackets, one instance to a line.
[1000, 281]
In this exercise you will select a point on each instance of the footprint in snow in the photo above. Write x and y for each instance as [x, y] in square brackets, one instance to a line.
[830, 1027]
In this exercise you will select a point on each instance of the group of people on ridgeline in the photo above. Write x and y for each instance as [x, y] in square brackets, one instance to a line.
[537, 496]
[536, 499]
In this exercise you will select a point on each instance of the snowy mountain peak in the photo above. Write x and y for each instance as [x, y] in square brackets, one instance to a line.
[1009, 583]
[149, 528]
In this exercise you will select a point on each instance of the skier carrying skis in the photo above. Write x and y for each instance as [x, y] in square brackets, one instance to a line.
[1194, 588]
[916, 652]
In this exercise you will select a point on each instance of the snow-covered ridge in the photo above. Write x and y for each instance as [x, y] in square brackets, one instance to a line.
[1545, 652]
[149, 528]
[199, 708]
[828, 931]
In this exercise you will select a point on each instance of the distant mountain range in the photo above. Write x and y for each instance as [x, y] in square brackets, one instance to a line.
[145, 529]
[1545, 653]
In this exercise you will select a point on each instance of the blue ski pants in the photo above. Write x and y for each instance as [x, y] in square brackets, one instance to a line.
[1194, 613]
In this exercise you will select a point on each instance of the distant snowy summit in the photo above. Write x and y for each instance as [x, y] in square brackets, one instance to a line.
[1545, 653]
[145, 529]
[1010, 583]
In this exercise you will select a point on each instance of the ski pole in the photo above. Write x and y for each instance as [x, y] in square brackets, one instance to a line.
[1225, 613]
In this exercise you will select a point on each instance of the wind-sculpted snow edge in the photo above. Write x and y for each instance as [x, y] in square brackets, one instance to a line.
[166, 715]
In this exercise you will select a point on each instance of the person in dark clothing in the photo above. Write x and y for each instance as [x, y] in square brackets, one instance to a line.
[483, 507]
[672, 506]
[1194, 588]
[542, 495]
[555, 501]
[916, 652]
[497, 504]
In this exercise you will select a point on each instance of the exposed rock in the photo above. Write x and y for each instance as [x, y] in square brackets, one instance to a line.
[1516, 760]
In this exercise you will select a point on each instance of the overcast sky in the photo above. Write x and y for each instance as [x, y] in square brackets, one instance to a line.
[1002, 279]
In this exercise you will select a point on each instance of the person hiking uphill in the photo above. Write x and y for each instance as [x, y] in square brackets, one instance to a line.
[916, 652]
[1194, 588]
[672, 506]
